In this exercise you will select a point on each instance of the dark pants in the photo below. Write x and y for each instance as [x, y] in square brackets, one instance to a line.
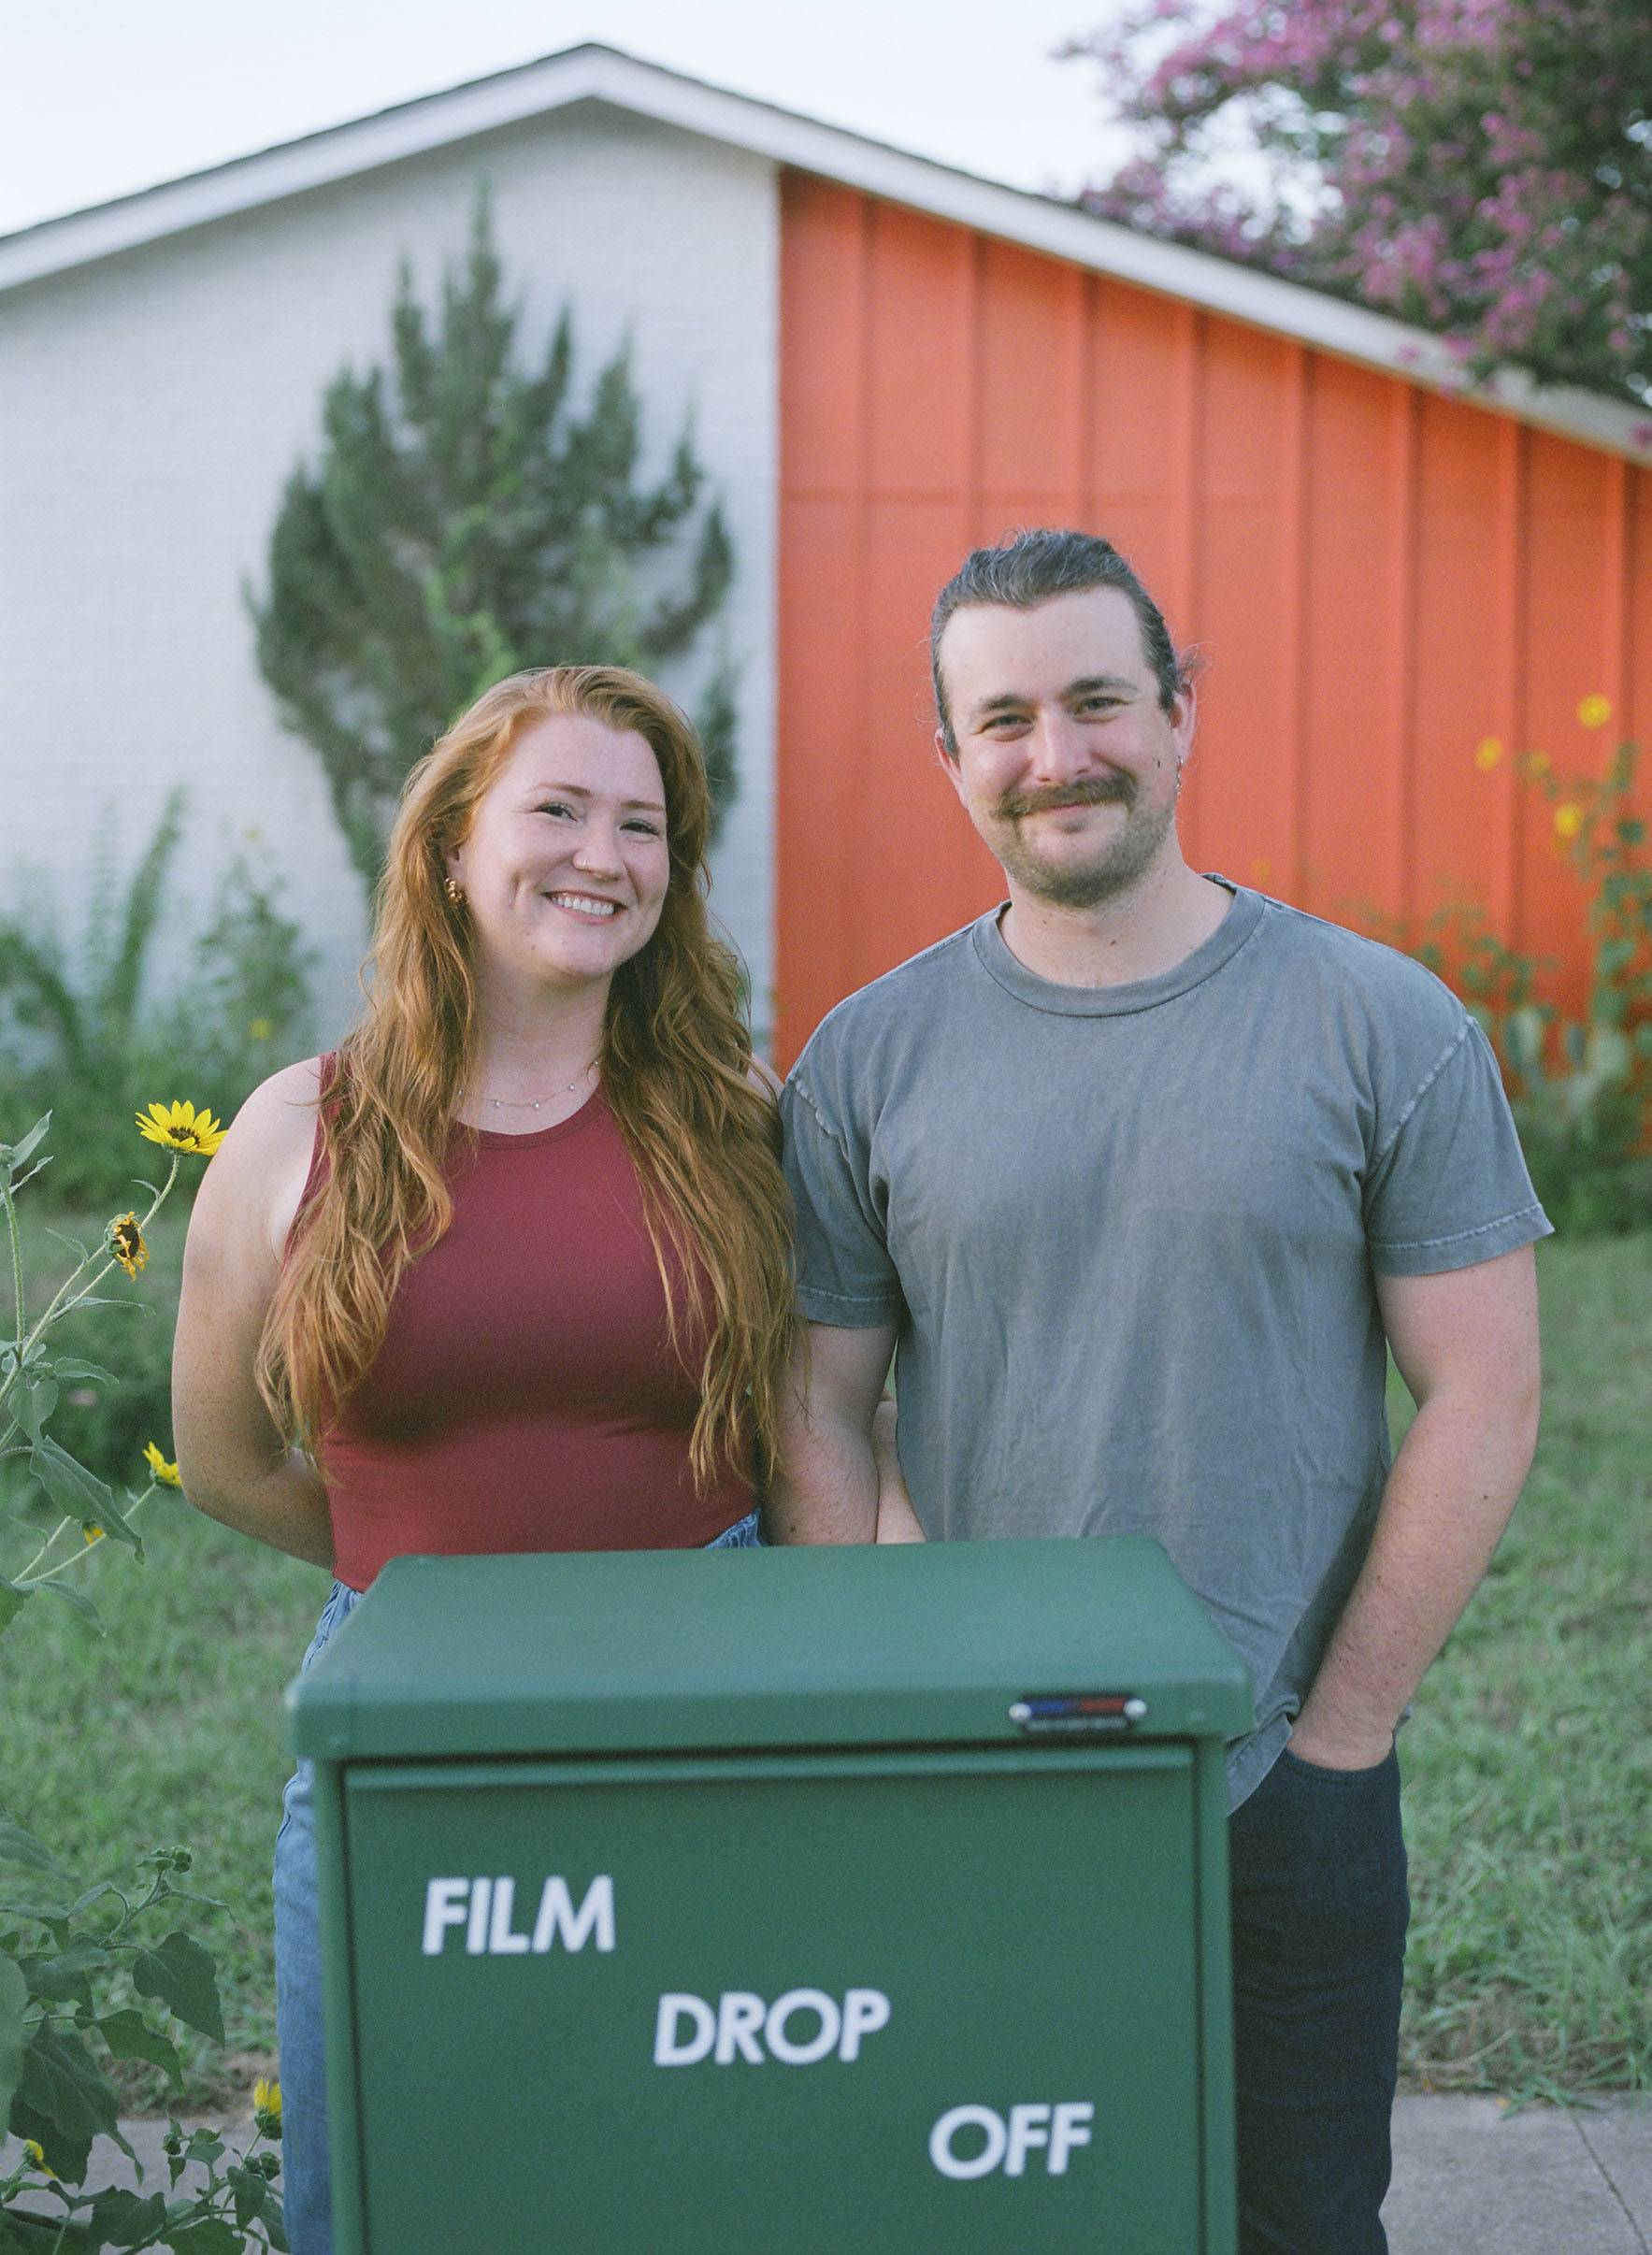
[1320, 1915]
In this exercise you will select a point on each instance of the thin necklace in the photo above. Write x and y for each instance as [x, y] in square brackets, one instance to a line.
[533, 1103]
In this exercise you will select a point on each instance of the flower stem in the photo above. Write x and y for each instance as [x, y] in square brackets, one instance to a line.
[17, 1258]
[62, 1302]
[24, 1579]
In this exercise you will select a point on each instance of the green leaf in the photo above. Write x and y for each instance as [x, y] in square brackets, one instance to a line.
[75, 1601]
[64, 1366]
[121, 2218]
[250, 2191]
[32, 1402]
[43, 2235]
[184, 1978]
[212, 2235]
[14, 1995]
[129, 2036]
[12, 1602]
[62, 2100]
[77, 1492]
[20, 1154]
[61, 1978]
[19, 1846]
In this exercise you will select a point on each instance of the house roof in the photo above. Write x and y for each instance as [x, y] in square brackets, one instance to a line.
[600, 74]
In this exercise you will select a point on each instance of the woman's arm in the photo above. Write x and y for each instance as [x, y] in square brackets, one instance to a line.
[897, 1522]
[233, 1464]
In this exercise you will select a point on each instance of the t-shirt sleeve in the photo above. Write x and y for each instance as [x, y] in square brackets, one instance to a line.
[1448, 1184]
[844, 1273]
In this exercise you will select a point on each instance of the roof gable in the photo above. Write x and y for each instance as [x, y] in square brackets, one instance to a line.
[600, 74]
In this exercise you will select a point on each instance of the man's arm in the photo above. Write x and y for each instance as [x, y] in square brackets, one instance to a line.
[824, 1486]
[1466, 1344]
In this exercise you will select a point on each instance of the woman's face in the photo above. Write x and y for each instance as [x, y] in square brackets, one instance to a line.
[565, 866]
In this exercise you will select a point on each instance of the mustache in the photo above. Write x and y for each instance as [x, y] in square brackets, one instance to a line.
[1093, 791]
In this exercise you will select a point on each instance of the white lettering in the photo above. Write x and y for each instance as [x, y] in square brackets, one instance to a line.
[824, 2039]
[747, 2028]
[476, 1933]
[444, 1906]
[503, 1941]
[967, 2118]
[1073, 2118]
[1057, 2129]
[557, 1916]
[865, 2011]
[669, 2050]
[1029, 2126]
[739, 2016]
[486, 1909]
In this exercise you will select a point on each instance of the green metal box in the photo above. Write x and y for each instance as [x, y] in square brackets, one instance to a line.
[792, 1901]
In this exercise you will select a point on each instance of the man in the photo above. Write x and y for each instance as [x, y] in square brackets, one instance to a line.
[1142, 1172]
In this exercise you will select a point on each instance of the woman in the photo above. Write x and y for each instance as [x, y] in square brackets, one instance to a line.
[511, 1270]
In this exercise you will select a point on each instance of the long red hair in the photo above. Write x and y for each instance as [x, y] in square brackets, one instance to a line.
[675, 1065]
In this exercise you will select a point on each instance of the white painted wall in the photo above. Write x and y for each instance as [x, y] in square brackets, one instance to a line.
[153, 404]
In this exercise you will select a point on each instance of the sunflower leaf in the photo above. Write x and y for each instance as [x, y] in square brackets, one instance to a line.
[17, 1155]
[76, 1601]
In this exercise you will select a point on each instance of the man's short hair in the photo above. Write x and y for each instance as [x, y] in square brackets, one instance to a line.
[1027, 568]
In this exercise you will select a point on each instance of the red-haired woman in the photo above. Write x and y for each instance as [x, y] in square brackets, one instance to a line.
[511, 1270]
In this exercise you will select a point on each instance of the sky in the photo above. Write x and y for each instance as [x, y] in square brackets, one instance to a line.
[98, 98]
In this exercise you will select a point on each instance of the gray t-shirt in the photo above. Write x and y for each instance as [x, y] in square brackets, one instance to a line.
[1127, 1235]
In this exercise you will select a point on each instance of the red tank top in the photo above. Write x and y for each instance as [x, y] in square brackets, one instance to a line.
[526, 1397]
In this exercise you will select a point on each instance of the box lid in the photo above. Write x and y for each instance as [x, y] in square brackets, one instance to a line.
[666, 1651]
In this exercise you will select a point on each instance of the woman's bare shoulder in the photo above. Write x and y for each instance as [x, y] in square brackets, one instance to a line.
[256, 1180]
[278, 1120]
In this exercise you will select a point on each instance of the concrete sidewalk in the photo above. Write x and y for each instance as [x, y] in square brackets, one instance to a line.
[1469, 2178]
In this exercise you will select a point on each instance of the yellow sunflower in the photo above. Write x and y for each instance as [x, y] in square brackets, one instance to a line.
[1595, 712]
[1568, 820]
[180, 1128]
[166, 1473]
[267, 2106]
[90, 1532]
[125, 1242]
[36, 2154]
[1488, 752]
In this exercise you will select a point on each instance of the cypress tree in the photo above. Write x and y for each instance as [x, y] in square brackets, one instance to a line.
[463, 519]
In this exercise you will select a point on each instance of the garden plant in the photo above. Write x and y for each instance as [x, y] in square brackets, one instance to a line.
[89, 1975]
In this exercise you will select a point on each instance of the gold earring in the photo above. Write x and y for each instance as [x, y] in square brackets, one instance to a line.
[454, 891]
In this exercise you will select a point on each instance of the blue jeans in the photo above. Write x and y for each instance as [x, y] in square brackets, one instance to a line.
[306, 2191]
[1320, 1909]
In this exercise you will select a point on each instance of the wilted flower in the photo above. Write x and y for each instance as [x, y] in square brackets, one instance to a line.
[267, 2106]
[166, 1473]
[180, 1127]
[1568, 820]
[1595, 712]
[1489, 754]
[37, 2156]
[125, 1242]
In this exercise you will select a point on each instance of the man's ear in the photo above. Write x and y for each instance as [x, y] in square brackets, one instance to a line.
[949, 765]
[1184, 721]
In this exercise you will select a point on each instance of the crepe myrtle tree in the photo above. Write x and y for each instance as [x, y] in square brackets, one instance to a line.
[465, 518]
[1480, 167]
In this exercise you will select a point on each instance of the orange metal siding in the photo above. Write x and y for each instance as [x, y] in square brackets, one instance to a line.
[1377, 578]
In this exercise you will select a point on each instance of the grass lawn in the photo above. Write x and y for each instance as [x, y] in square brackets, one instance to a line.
[1529, 1764]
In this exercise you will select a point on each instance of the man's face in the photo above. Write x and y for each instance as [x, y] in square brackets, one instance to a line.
[1067, 763]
